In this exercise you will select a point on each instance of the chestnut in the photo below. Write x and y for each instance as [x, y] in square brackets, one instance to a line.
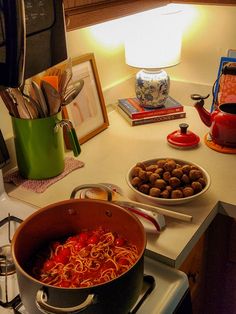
[170, 165]
[188, 191]
[160, 183]
[144, 188]
[136, 181]
[177, 172]
[165, 194]
[174, 182]
[177, 194]
[143, 175]
[155, 192]
[166, 176]
[197, 187]
[153, 177]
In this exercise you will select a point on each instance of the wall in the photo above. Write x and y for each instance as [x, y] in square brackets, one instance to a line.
[209, 32]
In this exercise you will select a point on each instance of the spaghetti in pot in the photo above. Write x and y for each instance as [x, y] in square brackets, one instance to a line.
[85, 259]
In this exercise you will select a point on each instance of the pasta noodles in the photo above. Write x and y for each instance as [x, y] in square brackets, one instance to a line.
[83, 260]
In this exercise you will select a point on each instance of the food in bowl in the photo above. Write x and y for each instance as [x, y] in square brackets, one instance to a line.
[167, 179]
[88, 258]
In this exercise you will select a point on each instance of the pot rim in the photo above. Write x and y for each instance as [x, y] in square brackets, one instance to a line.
[43, 209]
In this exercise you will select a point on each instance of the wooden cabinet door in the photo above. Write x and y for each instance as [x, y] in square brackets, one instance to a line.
[194, 267]
[83, 13]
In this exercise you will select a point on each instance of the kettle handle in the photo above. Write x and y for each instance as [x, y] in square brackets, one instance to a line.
[199, 97]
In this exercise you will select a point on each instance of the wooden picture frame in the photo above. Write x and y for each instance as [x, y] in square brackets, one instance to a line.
[87, 111]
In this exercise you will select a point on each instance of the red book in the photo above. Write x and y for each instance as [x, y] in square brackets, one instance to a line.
[133, 109]
[152, 119]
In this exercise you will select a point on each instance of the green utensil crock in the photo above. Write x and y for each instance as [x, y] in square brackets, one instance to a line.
[39, 147]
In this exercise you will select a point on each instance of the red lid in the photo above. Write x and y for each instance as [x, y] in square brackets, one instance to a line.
[183, 138]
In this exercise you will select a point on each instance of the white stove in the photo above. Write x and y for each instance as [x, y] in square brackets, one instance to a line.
[164, 287]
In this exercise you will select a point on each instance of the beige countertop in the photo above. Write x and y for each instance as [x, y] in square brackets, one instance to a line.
[110, 154]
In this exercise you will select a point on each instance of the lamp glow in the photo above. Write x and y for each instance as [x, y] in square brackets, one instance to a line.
[153, 43]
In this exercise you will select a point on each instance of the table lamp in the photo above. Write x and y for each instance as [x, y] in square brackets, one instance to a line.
[153, 43]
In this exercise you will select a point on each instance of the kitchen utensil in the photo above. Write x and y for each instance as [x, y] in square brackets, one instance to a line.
[40, 99]
[145, 198]
[183, 138]
[59, 220]
[53, 98]
[66, 76]
[39, 149]
[52, 80]
[72, 93]
[34, 114]
[54, 71]
[96, 191]
[10, 104]
[222, 121]
[20, 103]
[35, 104]
[104, 191]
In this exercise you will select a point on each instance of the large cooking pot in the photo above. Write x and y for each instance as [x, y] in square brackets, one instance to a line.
[61, 219]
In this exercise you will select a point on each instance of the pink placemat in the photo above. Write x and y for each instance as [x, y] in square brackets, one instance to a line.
[39, 186]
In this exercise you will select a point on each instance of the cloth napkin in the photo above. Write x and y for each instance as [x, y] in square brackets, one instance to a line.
[39, 186]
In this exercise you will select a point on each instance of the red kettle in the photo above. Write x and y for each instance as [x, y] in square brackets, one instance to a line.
[222, 121]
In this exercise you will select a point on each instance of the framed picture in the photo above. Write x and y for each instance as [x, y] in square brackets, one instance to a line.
[224, 89]
[87, 111]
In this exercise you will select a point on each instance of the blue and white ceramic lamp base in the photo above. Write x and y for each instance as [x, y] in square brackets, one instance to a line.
[152, 88]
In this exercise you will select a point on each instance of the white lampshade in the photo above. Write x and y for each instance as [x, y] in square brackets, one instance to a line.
[154, 41]
[155, 52]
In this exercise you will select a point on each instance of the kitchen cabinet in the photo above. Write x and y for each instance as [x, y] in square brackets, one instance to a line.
[211, 268]
[195, 267]
[220, 273]
[83, 13]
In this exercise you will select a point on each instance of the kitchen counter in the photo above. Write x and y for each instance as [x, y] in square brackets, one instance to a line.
[110, 154]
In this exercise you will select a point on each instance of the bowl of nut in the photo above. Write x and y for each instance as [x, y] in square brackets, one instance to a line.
[167, 181]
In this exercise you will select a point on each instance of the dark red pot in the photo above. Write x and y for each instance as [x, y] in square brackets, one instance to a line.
[63, 218]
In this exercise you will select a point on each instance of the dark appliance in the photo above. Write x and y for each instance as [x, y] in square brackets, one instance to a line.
[4, 154]
[32, 39]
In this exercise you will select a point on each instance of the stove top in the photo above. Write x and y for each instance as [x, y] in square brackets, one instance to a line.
[163, 286]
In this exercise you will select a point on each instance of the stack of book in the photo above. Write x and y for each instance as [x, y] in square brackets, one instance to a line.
[131, 110]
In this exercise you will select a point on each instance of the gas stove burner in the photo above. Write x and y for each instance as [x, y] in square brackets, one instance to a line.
[7, 266]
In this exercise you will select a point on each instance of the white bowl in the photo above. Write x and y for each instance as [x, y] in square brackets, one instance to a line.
[142, 197]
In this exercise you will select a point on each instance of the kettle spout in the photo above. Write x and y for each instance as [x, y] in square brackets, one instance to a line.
[203, 113]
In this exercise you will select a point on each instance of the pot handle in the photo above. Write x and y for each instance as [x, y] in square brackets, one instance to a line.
[87, 186]
[41, 302]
